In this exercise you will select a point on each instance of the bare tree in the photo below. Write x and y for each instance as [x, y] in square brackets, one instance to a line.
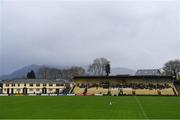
[98, 67]
[54, 73]
[172, 68]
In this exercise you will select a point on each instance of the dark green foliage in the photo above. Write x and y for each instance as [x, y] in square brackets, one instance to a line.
[108, 69]
[31, 75]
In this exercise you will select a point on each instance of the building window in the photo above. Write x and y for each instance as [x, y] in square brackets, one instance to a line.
[50, 89]
[13, 85]
[30, 89]
[50, 84]
[37, 89]
[18, 85]
[7, 85]
[31, 85]
[37, 85]
[58, 84]
[19, 90]
[25, 85]
[44, 84]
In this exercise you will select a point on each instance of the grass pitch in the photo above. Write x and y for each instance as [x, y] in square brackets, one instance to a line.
[73, 107]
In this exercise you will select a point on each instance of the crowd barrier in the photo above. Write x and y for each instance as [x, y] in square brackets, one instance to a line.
[70, 94]
[32, 94]
[98, 94]
[44, 95]
[52, 94]
[61, 94]
[4, 95]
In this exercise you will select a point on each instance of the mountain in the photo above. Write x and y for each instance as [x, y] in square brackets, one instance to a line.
[21, 73]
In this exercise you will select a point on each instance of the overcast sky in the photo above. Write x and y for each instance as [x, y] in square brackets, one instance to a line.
[130, 33]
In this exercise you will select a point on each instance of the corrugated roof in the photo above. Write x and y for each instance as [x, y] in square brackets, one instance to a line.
[123, 76]
[143, 72]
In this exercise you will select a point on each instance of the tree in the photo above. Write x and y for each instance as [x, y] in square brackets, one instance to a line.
[31, 75]
[99, 67]
[57, 73]
[108, 69]
[172, 68]
[77, 71]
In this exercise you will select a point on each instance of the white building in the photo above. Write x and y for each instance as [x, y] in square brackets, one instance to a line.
[33, 86]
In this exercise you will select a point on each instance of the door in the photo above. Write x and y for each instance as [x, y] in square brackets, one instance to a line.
[12, 91]
[44, 91]
[24, 90]
[8, 91]
[57, 91]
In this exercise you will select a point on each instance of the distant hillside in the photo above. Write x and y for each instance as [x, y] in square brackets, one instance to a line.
[21, 73]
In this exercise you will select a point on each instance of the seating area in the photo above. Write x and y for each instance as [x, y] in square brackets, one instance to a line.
[66, 91]
[168, 91]
[146, 92]
[97, 90]
[142, 86]
[78, 90]
[124, 89]
[114, 91]
[127, 91]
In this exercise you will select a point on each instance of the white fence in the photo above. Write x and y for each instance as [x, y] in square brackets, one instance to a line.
[98, 94]
[32, 94]
[4, 95]
[70, 94]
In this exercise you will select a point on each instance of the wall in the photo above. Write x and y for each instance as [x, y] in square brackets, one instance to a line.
[31, 89]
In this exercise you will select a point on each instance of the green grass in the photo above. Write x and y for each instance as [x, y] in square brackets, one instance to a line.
[66, 107]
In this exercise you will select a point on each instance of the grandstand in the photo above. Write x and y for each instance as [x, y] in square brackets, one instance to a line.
[124, 85]
[78, 90]
[97, 90]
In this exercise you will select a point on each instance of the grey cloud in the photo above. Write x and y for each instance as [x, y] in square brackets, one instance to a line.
[134, 34]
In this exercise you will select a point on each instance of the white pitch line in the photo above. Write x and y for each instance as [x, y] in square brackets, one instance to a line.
[141, 107]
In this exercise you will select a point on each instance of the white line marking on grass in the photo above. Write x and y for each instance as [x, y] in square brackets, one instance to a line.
[141, 107]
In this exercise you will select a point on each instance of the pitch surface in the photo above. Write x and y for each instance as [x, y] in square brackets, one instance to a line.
[94, 107]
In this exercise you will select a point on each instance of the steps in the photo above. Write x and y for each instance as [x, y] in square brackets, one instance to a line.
[71, 91]
[177, 87]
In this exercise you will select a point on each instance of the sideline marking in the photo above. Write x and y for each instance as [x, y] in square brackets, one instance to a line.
[141, 107]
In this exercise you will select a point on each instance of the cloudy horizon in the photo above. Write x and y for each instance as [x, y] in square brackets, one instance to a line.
[134, 34]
